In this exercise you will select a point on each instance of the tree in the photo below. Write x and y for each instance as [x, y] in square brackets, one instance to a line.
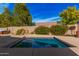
[1, 20]
[22, 14]
[70, 16]
[5, 18]
[19, 16]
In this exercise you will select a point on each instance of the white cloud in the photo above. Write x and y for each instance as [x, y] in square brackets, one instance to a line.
[2, 6]
[52, 19]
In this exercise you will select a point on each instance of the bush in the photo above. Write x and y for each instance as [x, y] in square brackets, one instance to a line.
[20, 32]
[42, 30]
[58, 30]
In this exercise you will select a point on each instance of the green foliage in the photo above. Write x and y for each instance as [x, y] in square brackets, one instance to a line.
[20, 32]
[42, 30]
[5, 18]
[20, 16]
[58, 30]
[69, 16]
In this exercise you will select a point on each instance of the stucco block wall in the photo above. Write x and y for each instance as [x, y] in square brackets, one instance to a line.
[73, 32]
[29, 29]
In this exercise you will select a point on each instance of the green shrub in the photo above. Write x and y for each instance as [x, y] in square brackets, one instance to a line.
[58, 30]
[42, 30]
[20, 32]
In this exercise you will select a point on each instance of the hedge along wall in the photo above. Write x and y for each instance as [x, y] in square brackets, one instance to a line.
[42, 30]
[58, 30]
[32, 28]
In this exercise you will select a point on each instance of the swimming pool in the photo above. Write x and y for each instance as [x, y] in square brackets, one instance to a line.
[40, 43]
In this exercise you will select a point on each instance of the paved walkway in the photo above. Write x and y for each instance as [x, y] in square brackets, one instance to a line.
[71, 40]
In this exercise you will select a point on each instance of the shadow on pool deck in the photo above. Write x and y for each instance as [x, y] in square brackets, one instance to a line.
[7, 40]
[31, 51]
[36, 52]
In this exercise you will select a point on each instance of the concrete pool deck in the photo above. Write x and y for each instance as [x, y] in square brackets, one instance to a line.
[71, 51]
[71, 40]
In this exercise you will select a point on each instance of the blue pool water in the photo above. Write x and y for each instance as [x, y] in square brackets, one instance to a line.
[40, 43]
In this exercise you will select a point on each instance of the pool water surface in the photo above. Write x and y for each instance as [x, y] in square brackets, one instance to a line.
[40, 43]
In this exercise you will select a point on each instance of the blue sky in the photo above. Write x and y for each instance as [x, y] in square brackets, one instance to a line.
[43, 12]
